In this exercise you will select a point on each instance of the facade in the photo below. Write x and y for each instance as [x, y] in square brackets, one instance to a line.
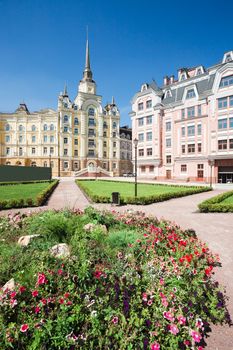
[185, 127]
[80, 138]
[126, 165]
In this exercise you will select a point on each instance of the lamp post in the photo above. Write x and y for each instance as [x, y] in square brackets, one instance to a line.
[135, 141]
[211, 163]
[50, 166]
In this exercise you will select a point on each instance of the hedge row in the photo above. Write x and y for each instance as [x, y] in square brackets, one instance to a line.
[23, 182]
[143, 199]
[29, 202]
[215, 204]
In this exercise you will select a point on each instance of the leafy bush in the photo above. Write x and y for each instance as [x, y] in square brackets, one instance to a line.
[215, 204]
[143, 284]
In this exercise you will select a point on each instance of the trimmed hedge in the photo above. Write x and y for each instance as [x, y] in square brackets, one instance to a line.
[29, 202]
[215, 204]
[143, 199]
[23, 182]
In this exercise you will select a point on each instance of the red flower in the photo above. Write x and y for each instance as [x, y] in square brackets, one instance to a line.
[60, 272]
[37, 309]
[41, 279]
[12, 295]
[24, 328]
[22, 289]
[35, 293]
[98, 274]
[208, 270]
[61, 301]
[44, 301]
[66, 295]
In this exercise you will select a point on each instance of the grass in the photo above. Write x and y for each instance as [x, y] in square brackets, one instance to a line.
[221, 203]
[100, 191]
[16, 192]
[228, 200]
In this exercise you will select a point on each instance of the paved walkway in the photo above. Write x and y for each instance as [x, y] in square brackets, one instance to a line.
[216, 229]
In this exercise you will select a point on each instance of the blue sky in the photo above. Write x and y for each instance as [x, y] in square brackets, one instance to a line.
[131, 42]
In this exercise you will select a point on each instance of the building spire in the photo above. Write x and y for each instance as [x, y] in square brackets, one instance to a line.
[113, 101]
[87, 74]
[65, 90]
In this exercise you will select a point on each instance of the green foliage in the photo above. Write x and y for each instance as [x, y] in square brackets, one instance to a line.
[220, 203]
[100, 191]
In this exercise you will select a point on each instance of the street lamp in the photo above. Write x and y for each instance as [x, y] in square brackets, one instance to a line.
[211, 163]
[135, 141]
[50, 166]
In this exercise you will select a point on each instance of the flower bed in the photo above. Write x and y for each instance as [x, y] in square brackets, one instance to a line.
[221, 203]
[130, 282]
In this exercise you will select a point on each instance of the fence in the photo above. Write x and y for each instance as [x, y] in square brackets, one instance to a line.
[9, 173]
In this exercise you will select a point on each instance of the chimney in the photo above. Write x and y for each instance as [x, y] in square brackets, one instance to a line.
[166, 80]
[172, 79]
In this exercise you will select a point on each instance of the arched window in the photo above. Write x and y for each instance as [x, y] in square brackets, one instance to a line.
[45, 127]
[75, 121]
[91, 111]
[114, 125]
[20, 127]
[33, 128]
[7, 127]
[51, 127]
[105, 125]
[8, 163]
[66, 118]
[18, 163]
[45, 164]
[33, 163]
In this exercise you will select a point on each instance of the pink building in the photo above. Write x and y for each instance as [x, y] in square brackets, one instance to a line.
[185, 127]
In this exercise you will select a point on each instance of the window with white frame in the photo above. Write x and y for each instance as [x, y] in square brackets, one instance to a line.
[45, 150]
[66, 119]
[91, 111]
[168, 159]
[141, 152]
[168, 143]
[149, 136]
[65, 129]
[65, 140]
[182, 113]
[8, 151]
[149, 104]
[191, 130]
[222, 123]
[230, 101]
[141, 137]
[51, 127]
[140, 121]
[191, 112]
[149, 152]
[33, 128]
[199, 129]
[222, 145]
[33, 150]
[149, 119]
[168, 126]
[51, 138]
[231, 122]
[7, 138]
[45, 138]
[140, 106]
[45, 127]
[7, 127]
[20, 138]
[191, 148]
[222, 102]
[75, 121]
[65, 151]
[183, 131]
[199, 110]
[20, 127]
[226, 81]
[183, 168]
[33, 138]
[51, 150]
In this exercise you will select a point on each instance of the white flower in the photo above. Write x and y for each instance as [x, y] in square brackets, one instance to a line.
[94, 313]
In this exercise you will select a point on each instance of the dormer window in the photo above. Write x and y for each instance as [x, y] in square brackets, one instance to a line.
[199, 71]
[66, 119]
[228, 58]
[75, 107]
[144, 87]
[226, 81]
[65, 105]
[168, 94]
[190, 94]
[183, 77]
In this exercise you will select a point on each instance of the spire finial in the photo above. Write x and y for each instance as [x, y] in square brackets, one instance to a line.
[113, 100]
[65, 90]
[87, 74]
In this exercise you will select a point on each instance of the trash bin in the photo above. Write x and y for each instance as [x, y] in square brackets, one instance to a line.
[116, 198]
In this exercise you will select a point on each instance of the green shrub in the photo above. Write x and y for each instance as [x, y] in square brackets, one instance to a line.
[215, 204]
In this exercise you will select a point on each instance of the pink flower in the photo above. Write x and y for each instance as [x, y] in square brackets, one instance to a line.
[37, 309]
[115, 320]
[161, 281]
[13, 302]
[169, 316]
[150, 302]
[196, 336]
[41, 279]
[186, 342]
[60, 272]
[200, 348]
[173, 329]
[155, 346]
[165, 302]
[22, 289]
[12, 295]
[181, 319]
[144, 296]
[44, 301]
[98, 274]
[24, 328]
[35, 293]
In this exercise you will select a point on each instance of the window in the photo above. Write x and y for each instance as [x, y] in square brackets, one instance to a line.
[168, 126]
[168, 94]
[140, 121]
[66, 165]
[149, 120]
[104, 134]
[91, 153]
[191, 130]
[168, 143]
[75, 152]
[149, 136]
[151, 168]
[91, 122]
[51, 150]
[104, 165]
[191, 112]
[91, 111]
[231, 101]
[140, 137]
[65, 151]
[33, 150]
[20, 127]
[183, 168]
[66, 118]
[231, 123]
[65, 128]
[143, 169]
[182, 77]
[226, 81]
[199, 129]
[66, 105]
[33, 163]
[105, 125]
[114, 134]
[45, 150]
[190, 93]
[200, 170]
[45, 138]
[183, 131]
[149, 104]
[75, 141]
[114, 154]
[149, 151]
[20, 139]
[75, 121]
[222, 123]
[45, 127]
[191, 148]
[182, 113]
[199, 110]
[91, 143]
[222, 102]
[141, 152]
[65, 140]
[75, 107]
[51, 138]
[222, 145]
[105, 143]
[114, 144]
[228, 58]
[51, 127]
[7, 127]
[183, 149]
[199, 71]
[199, 147]
[140, 106]
[33, 138]
[8, 151]
[114, 125]
[20, 151]
[7, 138]
[76, 131]
[168, 159]
[33, 128]
[105, 154]
[114, 166]
[231, 143]
[45, 164]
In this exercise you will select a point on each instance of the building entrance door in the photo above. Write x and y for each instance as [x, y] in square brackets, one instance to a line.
[168, 174]
[225, 174]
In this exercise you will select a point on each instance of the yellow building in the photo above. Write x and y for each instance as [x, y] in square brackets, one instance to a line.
[80, 138]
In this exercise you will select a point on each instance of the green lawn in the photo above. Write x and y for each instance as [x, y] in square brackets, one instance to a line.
[104, 189]
[25, 191]
[228, 200]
